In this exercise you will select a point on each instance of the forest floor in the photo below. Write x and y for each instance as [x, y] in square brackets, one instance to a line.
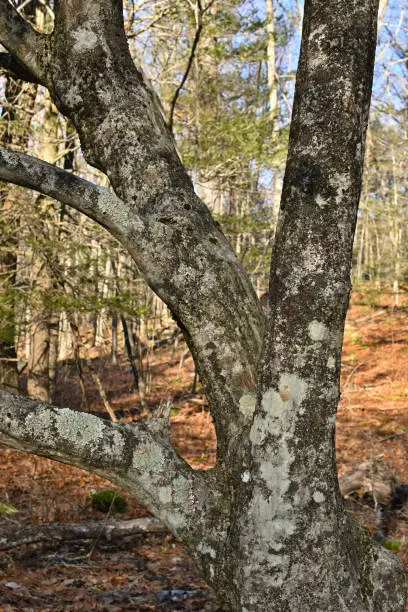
[151, 572]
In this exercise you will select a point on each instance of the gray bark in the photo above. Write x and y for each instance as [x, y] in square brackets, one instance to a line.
[267, 526]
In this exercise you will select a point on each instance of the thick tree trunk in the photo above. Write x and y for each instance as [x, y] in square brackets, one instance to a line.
[291, 544]
[328, 566]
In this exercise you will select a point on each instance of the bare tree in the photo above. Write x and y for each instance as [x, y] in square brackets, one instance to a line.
[267, 525]
[273, 99]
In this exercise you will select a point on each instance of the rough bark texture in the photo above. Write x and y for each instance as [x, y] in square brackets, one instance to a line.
[267, 525]
[138, 457]
[299, 549]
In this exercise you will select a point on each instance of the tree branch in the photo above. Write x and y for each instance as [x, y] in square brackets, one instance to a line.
[9, 63]
[94, 201]
[137, 457]
[96, 84]
[20, 38]
[60, 532]
[194, 46]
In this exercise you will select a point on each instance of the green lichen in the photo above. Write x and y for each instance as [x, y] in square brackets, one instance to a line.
[7, 509]
[393, 545]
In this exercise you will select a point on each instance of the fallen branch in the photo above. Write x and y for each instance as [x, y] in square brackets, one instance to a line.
[376, 482]
[56, 533]
[369, 478]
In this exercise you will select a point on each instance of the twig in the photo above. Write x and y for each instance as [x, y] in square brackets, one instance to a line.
[199, 27]
[353, 371]
[390, 438]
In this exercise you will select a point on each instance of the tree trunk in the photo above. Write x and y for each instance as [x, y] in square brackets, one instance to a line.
[273, 102]
[53, 332]
[17, 134]
[114, 349]
[8, 266]
[44, 324]
[38, 383]
[291, 545]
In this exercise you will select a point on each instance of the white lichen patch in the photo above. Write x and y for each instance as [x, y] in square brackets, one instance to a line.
[237, 368]
[209, 333]
[321, 202]
[85, 40]
[317, 56]
[245, 477]
[205, 549]
[278, 417]
[275, 473]
[165, 495]
[247, 405]
[182, 495]
[280, 414]
[331, 363]
[148, 458]
[81, 429]
[317, 331]
[153, 480]
[105, 95]
[317, 33]
[318, 497]
[341, 183]
[318, 60]
[184, 275]
[301, 498]
[181, 504]
[117, 213]
[118, 444]
[73, 97]
[273, 513]
[176, 519]
[313, 261]
[40, 425]
[272, 522]
[208, 282]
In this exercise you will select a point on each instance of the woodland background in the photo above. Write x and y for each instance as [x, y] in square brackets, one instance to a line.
[79, 327]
